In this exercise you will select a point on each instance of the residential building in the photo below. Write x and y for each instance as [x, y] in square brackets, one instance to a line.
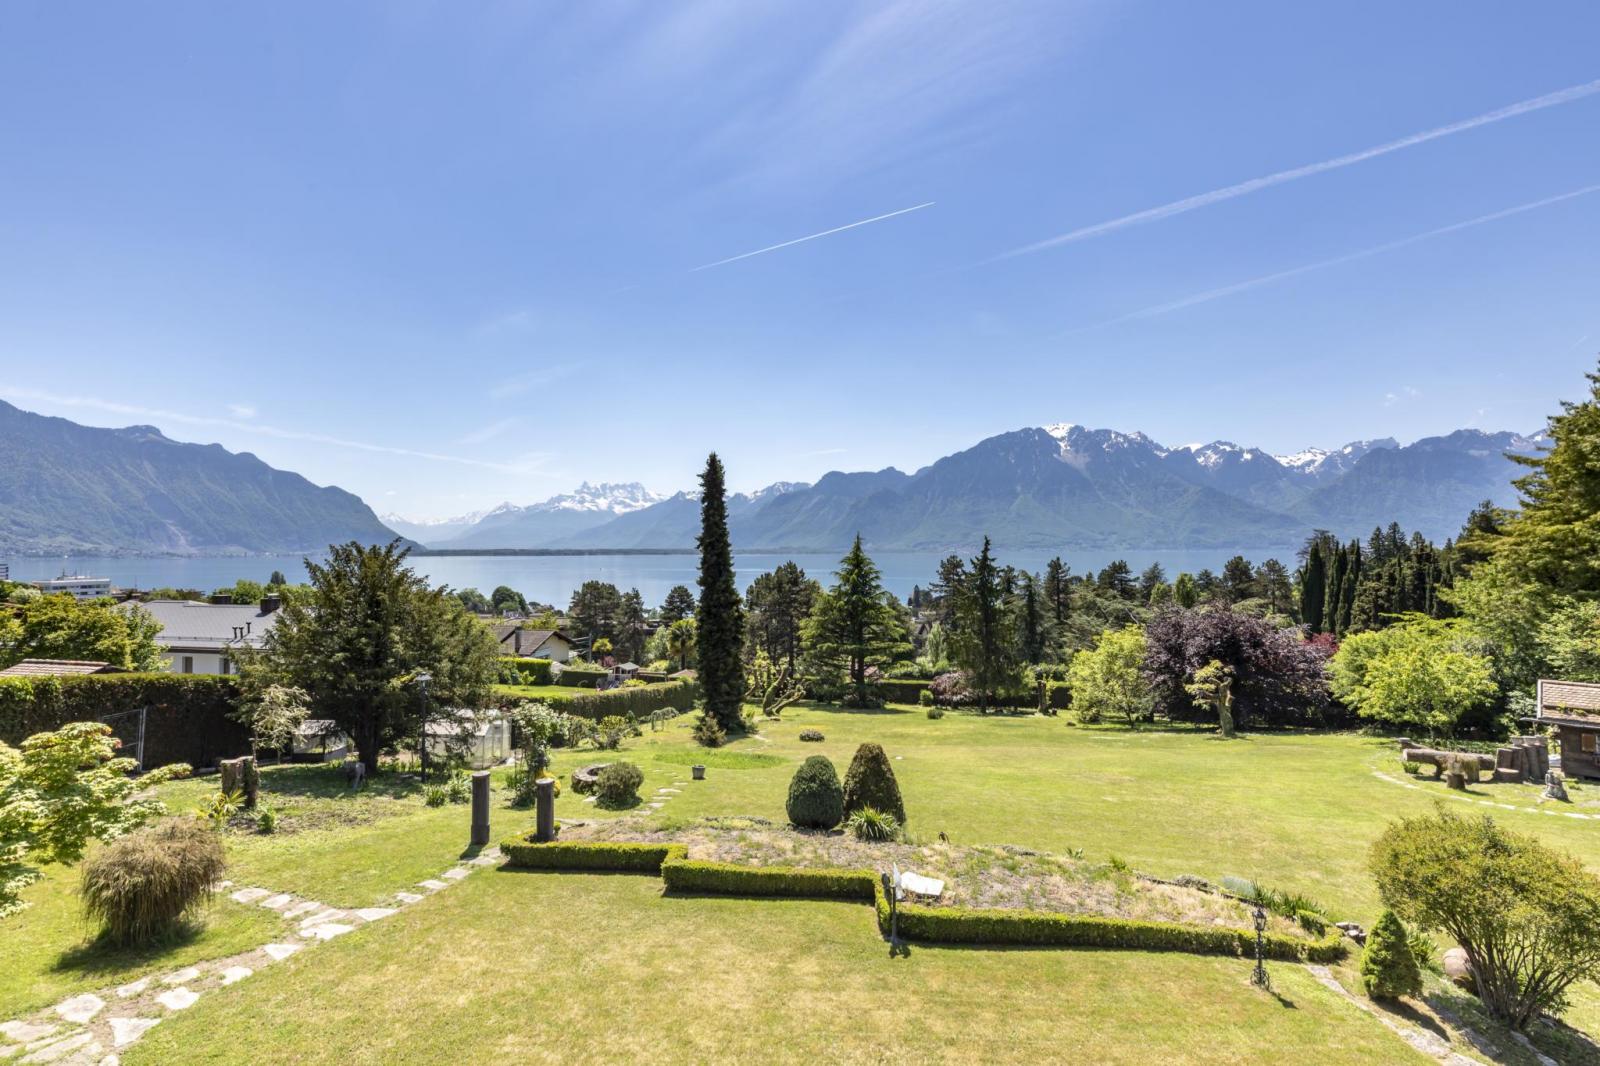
[550, 644]
[199, 638]
[1572, 709]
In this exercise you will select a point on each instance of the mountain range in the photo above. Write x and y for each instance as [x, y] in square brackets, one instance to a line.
[67, 488]
[71, 488]
[1056, 487]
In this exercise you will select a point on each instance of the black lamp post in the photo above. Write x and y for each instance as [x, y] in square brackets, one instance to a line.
[422, 680]
[1259, 976]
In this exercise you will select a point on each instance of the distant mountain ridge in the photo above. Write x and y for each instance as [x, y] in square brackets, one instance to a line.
[1066, 486]
[67, 488]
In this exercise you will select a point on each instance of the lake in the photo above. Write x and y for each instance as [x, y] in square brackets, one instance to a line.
[552, 578]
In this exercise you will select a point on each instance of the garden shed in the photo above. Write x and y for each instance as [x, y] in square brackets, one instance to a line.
[1572, 709]
[479, 741]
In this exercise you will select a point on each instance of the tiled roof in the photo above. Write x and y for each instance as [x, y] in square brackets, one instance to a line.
[524, 641]
[208, 626]
[56, 668]
[1571, 696]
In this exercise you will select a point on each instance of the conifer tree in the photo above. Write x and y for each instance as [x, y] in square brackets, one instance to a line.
[1058, 590]
[1314, 583]
[855, 626]
[1388, 969]
[719, 621]
[985, 639]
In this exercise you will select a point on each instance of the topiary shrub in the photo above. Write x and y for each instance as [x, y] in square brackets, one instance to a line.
[816, 800]
[811, 735]
[142, 886]
[618, 785]
[870, 783]
[1388, 969]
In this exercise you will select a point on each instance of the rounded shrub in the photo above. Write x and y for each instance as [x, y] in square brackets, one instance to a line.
[811, 735]
[816, 800]
[870, 782]
[141, 887]
[1388, 969]
[618, 785]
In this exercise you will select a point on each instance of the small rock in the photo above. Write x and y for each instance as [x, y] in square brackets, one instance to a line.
[433, 884]
[305, 907]
[277, 902]
[250, 895]
[1459, 970]
[134, 989]
[26, 1032]
[320, 917]
[54, 1050]
[127, 1030]
[80, 1009]
[235, 973]
[456, 874]
[177, 999]
[181, 977]
[327, 930]
[407, 897]
[279, 952]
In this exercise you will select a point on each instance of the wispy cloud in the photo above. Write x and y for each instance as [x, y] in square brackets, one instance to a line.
[1405, 392]
[529, 464]
[1244, 188]
[241, 410]
[811, 237]
[518, 384]
[489, 432]
[1365, 253]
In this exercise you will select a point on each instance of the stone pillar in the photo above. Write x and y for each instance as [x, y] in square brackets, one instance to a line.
[480, 807]
[544, 798]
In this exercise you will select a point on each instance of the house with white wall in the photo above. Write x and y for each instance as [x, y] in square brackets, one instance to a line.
[200, 638]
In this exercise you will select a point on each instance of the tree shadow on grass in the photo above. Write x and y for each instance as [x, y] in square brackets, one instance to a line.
[98, 957]
[327, 781]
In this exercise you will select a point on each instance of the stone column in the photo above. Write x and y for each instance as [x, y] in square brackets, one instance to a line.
[480, 807]
[544, 798]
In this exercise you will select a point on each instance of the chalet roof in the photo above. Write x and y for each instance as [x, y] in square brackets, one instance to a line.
[1579, 697]
[525, 641]
[57, 668]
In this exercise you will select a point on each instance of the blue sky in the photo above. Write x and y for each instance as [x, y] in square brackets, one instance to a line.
[445, 254]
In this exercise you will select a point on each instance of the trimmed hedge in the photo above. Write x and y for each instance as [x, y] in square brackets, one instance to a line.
[526, 671]
[595, 855]
[578, 676]
[901, 689]
[938, 925]
[733, 879]
[962, 925]
[638, 700]
[188, 721]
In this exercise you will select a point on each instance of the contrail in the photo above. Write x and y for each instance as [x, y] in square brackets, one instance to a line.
[812, 237]
[1365, 253]
[1206, 199]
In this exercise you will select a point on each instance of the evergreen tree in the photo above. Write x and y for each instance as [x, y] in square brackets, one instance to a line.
[779, 603]
[678, 605]
[985, 641]
[628, 627]
[277, 578]
[1117, 580]
[1313, 584]
[1335, 594]
[594, 610]
[1272, 585]
[1388, 969]
[952, 573]
[719, 621]
[1058, 590]
[1184, 593]
[1238, 580]
[855, 626]
[1032, 620]
[1152, 576]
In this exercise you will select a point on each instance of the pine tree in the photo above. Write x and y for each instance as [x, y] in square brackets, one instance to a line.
[855, 626]
[779, 603]
[1152, 576]
[1031, 620]
[1058, 590]
[985, 638]
[1388, 968]
[719, 621]
[1184, 593]
[678, 605]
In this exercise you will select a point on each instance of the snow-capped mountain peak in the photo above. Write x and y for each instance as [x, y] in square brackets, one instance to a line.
[615, 498]
[459, 520]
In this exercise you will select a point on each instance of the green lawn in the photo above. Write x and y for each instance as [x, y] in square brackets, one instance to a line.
[632, 972]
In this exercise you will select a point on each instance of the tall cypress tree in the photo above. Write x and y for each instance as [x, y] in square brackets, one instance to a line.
[719, 620]
[1057, 590]
[1335, 596]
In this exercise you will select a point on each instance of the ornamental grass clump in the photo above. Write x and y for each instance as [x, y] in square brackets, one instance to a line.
[1388, 969]
[872, 825]
[870, 782]
[141, 887]
[816, 800]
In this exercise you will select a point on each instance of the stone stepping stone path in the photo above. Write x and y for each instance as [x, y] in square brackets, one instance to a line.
[91, 1028]
[1429, 1043]
[1489, 803]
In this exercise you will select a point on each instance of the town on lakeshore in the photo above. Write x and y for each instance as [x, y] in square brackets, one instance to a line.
[552, 533]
